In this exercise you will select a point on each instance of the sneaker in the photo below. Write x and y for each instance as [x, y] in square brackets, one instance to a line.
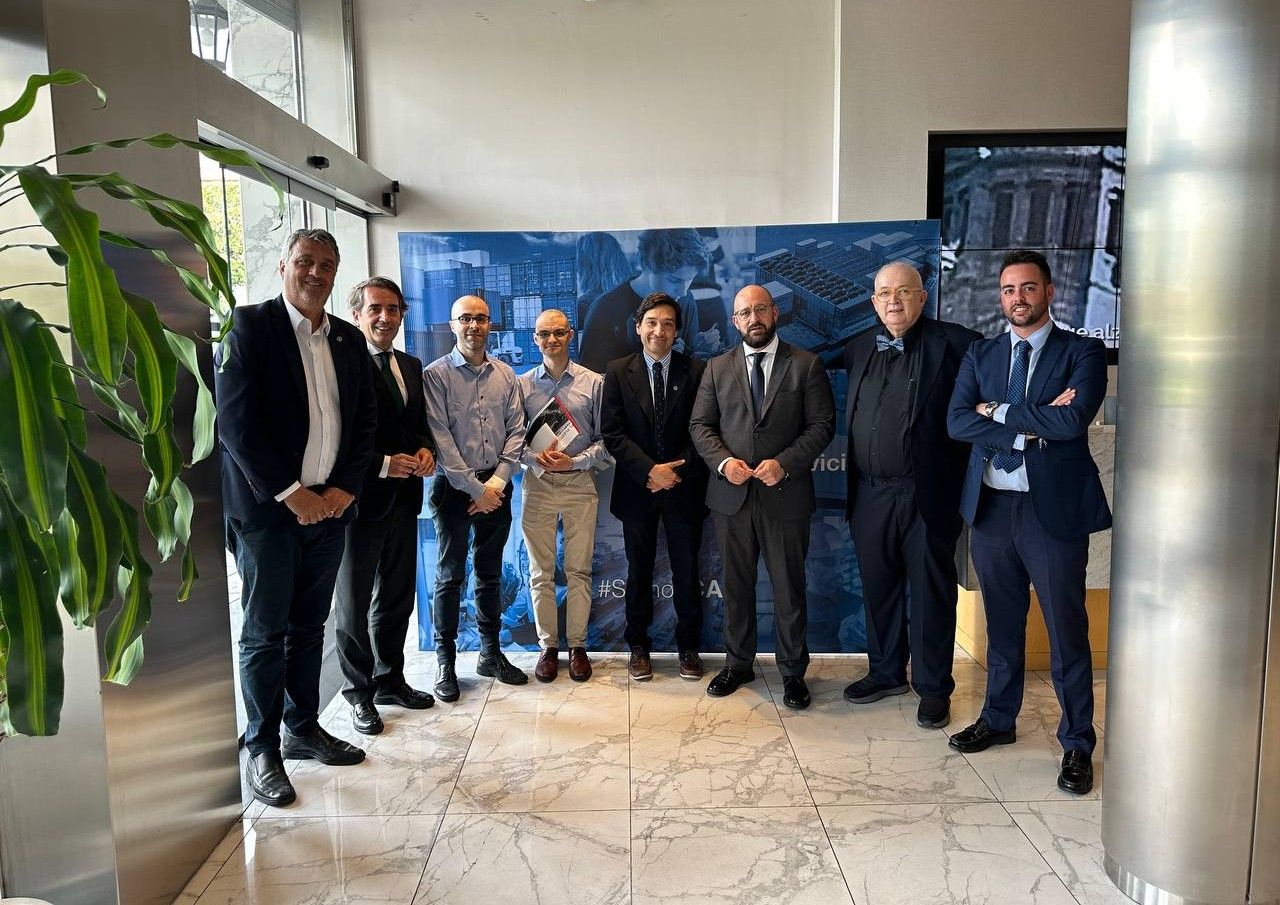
[867, 689]
[639, 667]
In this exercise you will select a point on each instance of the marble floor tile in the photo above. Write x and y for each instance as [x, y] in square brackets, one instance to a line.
[972, 854]
[536, 859]
[200, 880]
[1027, 770]
[692, 750]
[1068, 835]
[548, 749]
[324, 860]
[733, 855]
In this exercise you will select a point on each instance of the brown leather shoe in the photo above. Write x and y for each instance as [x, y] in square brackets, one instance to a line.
[640, 668]
[579, 665]
[548, 664]
[690, 665]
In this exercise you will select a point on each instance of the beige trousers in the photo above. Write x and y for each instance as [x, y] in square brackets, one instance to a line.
[570, 497]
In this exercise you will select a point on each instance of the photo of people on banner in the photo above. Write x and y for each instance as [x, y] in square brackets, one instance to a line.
[821, 277]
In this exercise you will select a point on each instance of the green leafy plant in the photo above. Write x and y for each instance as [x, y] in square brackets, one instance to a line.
[66, 537]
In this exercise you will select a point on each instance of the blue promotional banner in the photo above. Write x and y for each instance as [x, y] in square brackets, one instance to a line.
[821, 277]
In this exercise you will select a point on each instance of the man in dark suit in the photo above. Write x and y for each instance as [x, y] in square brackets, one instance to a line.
[659, 479]
[904, 478]
[1032, 494]
[379, 562]
[296, 420]
[763, 414]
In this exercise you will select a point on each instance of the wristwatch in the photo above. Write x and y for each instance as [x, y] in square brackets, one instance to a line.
[990, 409]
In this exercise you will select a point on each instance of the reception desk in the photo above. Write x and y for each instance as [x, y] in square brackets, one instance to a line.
[971, 623]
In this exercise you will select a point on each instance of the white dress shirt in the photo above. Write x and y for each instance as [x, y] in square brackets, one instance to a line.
[324, 419]
[1016, 479]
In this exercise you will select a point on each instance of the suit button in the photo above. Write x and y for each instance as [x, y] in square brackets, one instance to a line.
[755, 434]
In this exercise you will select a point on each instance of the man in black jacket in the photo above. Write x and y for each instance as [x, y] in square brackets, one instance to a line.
[379, 563]
[295, 420]
[648, 397]
[904, 480]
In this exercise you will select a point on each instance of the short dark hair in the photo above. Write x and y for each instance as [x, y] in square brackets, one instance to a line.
[355, 300]
[667, 250]
[1026, 256]
[323, 236]
[653, 300]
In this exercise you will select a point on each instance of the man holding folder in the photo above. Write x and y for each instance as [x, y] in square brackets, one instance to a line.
[563, 447]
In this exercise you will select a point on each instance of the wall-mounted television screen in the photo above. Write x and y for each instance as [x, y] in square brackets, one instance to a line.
[1061, 194]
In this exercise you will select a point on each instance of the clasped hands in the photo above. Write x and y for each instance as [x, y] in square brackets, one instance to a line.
[663, 476]
[769, 472]
[418, 465]
[490, 499]
[311, 508]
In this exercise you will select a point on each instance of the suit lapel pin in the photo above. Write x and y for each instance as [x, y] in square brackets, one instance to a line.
[338, 338]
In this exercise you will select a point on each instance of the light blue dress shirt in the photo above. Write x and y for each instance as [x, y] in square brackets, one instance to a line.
[580, 390]
[476, 418]
[666, 371]
[1016, 479]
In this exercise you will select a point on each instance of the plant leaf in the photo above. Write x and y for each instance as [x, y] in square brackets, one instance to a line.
[57, 254]
[99, 321]
[169, 517]
[27, 100]
[134, 580]
[66, 403]
[197, 285]
[28, 608]
[185, 219]
[33, 445]
[203, 422]
[189, 574]
[163, 459]
[99, 535]
[155, 366]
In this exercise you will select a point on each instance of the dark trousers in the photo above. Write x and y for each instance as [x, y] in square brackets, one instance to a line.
[684, 540]
[374, 602]
[784, 543]
[457, 533]
[1011, 551]
[287, 574]
[897, 550]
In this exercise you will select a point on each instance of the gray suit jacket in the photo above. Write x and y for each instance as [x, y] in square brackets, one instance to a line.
[795, 427]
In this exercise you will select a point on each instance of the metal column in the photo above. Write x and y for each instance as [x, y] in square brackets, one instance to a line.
[1191, 812]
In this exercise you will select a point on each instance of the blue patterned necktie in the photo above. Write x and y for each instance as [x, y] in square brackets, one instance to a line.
[883, 342]
[659, 406]
[1015, 395]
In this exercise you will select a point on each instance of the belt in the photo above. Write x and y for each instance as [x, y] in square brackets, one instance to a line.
[1016, 494]
[485, 474]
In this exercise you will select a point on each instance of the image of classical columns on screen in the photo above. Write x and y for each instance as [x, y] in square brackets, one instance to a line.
[821, 277]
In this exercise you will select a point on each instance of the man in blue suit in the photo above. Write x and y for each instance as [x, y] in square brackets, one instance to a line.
[296, 424]
[1032, 495]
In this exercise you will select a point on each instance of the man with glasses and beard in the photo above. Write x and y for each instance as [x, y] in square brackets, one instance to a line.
[763, 414]
[477, 420]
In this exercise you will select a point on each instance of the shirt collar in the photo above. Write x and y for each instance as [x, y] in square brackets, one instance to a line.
[770, 349]
[649, 361]
[570, 370]
[458, 360]
[1037, 339]
[375, 351]
[297, 318]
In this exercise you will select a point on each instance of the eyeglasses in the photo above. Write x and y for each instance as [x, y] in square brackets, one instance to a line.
[547, 334]
[468, 319]
[757, 310]
[902, 294]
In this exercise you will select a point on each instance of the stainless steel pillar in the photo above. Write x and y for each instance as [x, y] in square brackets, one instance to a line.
[1191, 811]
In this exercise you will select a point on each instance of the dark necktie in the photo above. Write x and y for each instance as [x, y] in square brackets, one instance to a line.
[883, 343]
[1015, 395]
[757, 383]
[385, 367]
[659, 405]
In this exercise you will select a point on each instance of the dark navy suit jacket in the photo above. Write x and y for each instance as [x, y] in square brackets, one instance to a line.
[263, 416]
[1065, 489]
[398, 431]
[938, 462]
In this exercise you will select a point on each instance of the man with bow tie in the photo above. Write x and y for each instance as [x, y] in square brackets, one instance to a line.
[904, 479]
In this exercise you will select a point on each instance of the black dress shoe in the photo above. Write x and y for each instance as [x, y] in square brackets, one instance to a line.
[404, 696]
[866, 690]
[1077, 772]
[795, 693]
[933, 713]
[729, 680]
[267, 780]
[980, 737]
[320, 745]
[446, 682]
[365, 718]
[497, 666]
